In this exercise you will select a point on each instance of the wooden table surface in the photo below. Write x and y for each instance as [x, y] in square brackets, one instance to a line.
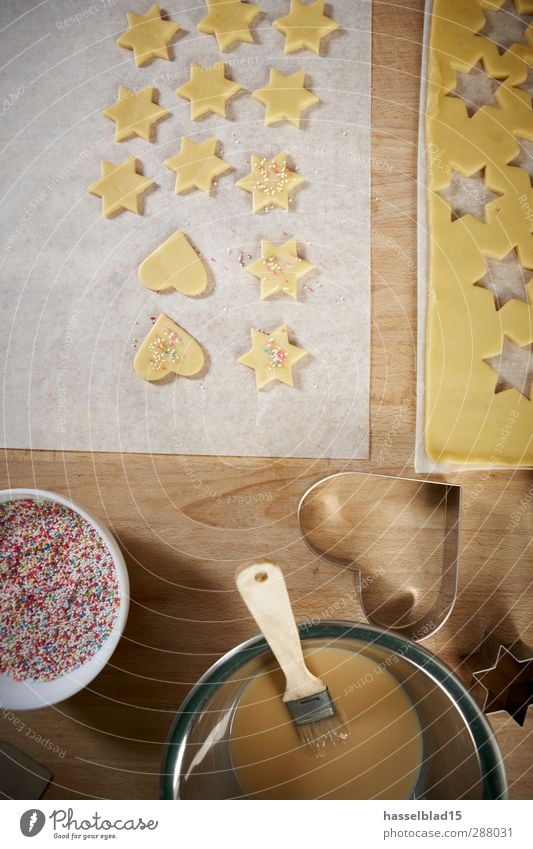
[185, 522]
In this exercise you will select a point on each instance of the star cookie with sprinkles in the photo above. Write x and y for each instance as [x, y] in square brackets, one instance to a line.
[229, 21]
[168, 348]
[196, 165]
[119, 186]
[134, 113]
[208, 90]
[272, 356]
[305, 26]
[148, 35]
[285, 97]
[269, 182]
[279, 268]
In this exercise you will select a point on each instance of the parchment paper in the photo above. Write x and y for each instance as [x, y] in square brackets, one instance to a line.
[73, 310]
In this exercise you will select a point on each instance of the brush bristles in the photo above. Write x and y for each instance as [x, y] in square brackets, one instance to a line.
[311, 708]
[320, 736]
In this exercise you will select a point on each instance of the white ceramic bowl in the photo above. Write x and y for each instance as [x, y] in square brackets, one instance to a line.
[27, 695]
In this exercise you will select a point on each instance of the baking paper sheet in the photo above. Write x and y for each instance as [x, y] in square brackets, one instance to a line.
[73, 311]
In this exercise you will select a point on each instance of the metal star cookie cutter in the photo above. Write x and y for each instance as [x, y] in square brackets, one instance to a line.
[507, 684]
[399, 535]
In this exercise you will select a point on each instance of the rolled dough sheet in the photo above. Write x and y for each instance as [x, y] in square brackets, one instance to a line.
[475, 404]
[73, 312]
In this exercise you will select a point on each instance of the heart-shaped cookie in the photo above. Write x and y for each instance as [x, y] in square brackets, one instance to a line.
[168, 348]
[174, 265]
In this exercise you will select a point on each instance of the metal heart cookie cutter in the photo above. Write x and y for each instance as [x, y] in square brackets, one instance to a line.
[400, 536]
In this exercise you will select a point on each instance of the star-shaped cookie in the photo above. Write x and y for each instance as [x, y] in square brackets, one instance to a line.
[269, 182]
[305, 26]
[272, 356]
[196, 165]
[229, 21]
[119, 186]
[208, 90]
[285, 97]
[148, 35]
[279, 268]
[134, 113]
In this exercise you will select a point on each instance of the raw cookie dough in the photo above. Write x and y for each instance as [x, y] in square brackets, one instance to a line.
[208, 90]
[272, 356]
[285, 97]
[168, 348]
[229, 21]
[148, 35]
[279, 268]
[466, 419]
[134, 113]
[196, 165]
[174, 265]
[119, 186]
[269, 182]
[305, 26]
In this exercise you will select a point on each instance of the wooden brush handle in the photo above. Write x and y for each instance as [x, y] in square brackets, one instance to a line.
[264, 592]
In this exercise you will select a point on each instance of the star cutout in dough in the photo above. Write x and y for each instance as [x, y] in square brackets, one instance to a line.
[508, 685]
[279, 268]
[208, 90]
[148, 35]
[476, 88]
[305, 26]
[134, 113]
[285, 97]
[196, 165]
[272, 356]
[514, 367]
[468, 195]
[506, 279]
[269, 182]
[119, 186]
[505, 26]
[229, 21]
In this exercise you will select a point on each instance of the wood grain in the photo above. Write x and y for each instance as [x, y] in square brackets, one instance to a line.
[184, 523]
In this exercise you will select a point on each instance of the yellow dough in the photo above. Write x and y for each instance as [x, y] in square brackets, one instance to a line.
[119, 186]
[229, 21]
[305, 26]
[467, 418]
[208, 90]
[168, 348]
[285, 97]
[279, 268]
[196, 165]
[272, 356]
[134, 113]
[174, 265]
[269, 182]
[148, 36]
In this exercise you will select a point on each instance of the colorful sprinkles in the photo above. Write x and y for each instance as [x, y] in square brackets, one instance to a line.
[272, 179]
[59, 595]
[164, 350]
[278, 357]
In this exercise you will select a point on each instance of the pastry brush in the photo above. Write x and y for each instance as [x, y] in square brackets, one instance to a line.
[264, 592]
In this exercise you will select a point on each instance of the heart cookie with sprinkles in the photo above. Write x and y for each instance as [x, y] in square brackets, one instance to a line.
[168, 348]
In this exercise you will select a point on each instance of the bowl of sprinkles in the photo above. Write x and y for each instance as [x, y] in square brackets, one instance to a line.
[64, 598]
